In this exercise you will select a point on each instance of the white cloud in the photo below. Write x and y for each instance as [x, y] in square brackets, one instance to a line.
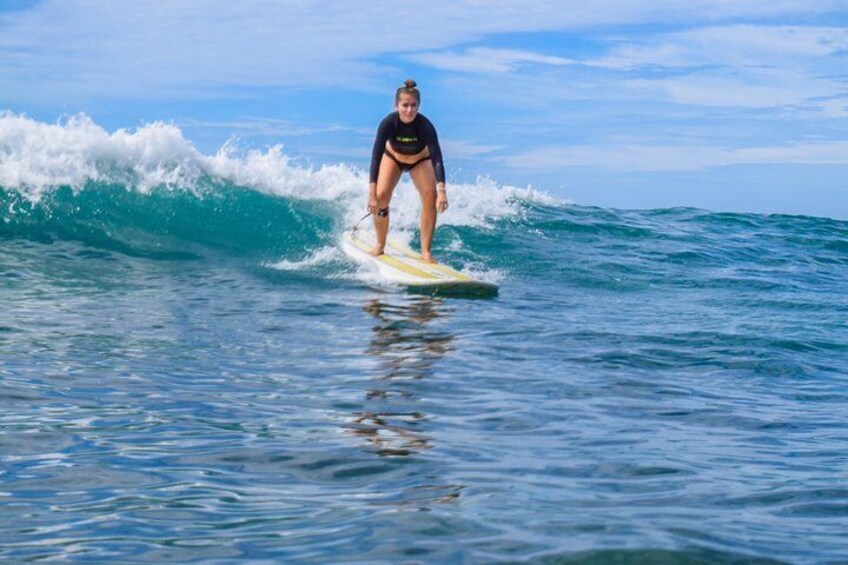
[270, 127]
[485, 60]
[836, 108]
[466, 150]
[736, 45]
[165, 49]
[742, 66]
[678, 158]
[733, 66]
[754, 88]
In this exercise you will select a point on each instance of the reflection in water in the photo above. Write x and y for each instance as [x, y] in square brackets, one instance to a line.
[392, 433]
[408, 349]
[402, 339]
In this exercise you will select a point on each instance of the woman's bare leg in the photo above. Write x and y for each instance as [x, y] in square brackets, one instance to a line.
[424, 179]
[387, 179]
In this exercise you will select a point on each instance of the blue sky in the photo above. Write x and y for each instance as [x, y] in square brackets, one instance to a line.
[728, 105]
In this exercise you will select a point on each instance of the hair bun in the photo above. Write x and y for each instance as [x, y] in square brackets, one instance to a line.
[409, 83]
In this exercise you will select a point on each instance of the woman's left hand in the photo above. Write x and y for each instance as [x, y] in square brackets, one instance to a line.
[441, 201]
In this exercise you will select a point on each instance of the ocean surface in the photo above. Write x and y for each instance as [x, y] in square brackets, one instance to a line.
[192, 372]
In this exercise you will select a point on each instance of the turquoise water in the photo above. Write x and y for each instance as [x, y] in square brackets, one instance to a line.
[199, 376]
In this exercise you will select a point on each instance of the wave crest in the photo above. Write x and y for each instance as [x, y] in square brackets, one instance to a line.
[37, 157]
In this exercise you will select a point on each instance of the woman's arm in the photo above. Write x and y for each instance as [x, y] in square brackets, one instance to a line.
[436, 155]
[378, 148]
[438, 167]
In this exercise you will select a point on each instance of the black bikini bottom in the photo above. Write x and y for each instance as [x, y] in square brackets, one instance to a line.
[406, 166]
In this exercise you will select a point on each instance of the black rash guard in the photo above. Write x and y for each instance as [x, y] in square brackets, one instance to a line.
[407, 139]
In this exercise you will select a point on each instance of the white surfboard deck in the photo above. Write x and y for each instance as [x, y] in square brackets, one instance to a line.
[401, 265]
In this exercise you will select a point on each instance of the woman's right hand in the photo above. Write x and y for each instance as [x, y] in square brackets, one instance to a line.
[372, 199]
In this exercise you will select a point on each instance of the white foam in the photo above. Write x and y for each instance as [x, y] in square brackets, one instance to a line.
[477, 271]
[37, 156]
[323, 256]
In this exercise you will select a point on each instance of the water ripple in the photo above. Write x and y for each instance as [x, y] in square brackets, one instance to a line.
[660, 386]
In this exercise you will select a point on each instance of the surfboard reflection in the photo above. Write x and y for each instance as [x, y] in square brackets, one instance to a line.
[407, 349]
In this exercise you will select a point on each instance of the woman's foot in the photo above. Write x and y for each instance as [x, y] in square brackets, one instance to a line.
[428, 257]
[376, 251]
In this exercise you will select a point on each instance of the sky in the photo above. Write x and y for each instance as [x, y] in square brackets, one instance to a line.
[725, 105]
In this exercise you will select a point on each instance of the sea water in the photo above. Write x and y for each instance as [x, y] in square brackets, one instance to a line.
[191, 371]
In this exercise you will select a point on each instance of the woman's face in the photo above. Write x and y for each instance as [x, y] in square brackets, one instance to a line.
[407, 107]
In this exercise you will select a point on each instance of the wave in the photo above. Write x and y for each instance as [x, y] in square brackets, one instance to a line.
[163, 223]
[154, 172]
[151, 193]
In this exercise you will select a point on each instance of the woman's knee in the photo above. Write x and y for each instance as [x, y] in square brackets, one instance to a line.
[424, 180]
[427, 194]
[384, 198]
[428, 200]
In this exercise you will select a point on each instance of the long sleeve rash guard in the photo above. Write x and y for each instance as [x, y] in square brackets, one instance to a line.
[407, 139]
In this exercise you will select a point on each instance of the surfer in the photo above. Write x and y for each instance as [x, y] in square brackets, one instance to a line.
[406, 141]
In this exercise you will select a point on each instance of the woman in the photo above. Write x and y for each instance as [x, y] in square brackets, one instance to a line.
[407, 141]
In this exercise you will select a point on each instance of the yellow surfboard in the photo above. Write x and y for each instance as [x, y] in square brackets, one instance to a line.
[401, 265]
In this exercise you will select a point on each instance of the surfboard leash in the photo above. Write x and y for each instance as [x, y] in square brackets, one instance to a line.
[356, 225]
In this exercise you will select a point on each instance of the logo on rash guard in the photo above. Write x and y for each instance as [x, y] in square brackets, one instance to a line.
[406, 139]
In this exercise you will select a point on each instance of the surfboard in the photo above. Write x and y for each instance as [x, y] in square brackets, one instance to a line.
[402, 266]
